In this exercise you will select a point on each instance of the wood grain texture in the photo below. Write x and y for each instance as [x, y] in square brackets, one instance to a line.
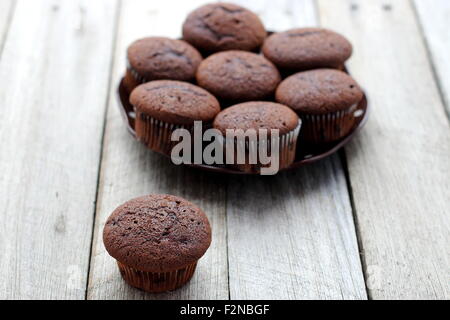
[292, 236]
[130, 170]
[399, 165]
[435, 21]
[6, 11]
[53, 88]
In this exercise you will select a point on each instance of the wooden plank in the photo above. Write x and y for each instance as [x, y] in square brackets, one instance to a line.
[129, 170]
[399, 165]
[53, 92]
[6, 11]
[292, 236]
[435, 24]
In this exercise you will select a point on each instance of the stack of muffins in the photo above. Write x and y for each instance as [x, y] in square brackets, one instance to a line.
[230, 74]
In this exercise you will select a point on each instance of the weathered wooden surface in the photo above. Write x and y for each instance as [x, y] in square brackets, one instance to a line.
[292, 236]
[6, 11]
[435, 21]
[53, 93]
[130, 170]
[399, 165]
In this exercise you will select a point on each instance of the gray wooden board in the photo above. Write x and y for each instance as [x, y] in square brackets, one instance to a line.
[53, 99]
[144, 172]
[292, 236]
[130, 170]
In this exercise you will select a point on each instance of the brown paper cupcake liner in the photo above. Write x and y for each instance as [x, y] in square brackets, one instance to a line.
[287, 151]
[137, 77]
[322, 128]
[155, 282]
[156, 134]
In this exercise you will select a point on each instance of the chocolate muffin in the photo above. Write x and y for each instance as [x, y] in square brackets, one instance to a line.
[307, 48]
[257, 115]
[157, 241]
[157, 58]
[238, 76]
[325, 99]
[223, 26]
[163, 106]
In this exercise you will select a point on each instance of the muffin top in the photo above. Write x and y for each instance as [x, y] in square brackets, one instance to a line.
[257, 115]
[238, 75]
[319, 91]
[175, 102]
[156, 58]
[157, 233]
[223, 26]
[307, 48]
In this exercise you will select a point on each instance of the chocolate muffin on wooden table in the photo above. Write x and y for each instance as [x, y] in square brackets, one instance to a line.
[157, 241]
[258, 115]
[163, 106]
[307, 48]
[223, 26]
[158, 58]
[238, 76]
[326, 101]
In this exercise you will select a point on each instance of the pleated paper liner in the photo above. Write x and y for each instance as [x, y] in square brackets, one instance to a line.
[286, 145]
[155, 282]
[329, 127]
[305, 152]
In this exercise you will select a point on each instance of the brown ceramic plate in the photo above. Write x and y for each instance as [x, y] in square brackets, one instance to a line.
[305, 153]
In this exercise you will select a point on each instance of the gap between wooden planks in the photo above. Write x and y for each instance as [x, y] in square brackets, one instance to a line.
[6, 12]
